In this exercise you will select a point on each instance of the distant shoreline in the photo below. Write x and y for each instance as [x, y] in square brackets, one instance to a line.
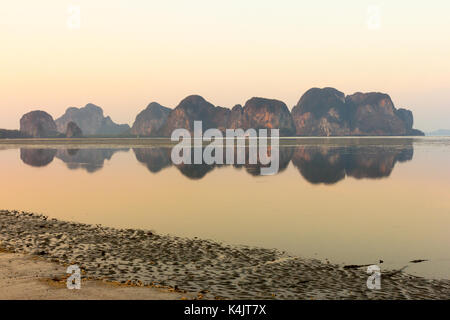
[205, 268]
[167, 141]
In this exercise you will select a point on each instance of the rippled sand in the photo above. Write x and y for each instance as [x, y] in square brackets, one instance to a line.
[199, 268]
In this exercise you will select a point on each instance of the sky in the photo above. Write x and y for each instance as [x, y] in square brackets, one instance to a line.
[122, 54]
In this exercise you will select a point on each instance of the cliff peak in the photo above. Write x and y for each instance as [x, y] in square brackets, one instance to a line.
[90, 120]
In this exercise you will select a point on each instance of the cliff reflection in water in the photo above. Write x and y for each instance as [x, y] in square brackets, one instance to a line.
[155, 159]
[331, 164]
[317, 163]
[90, 160]
[37, 157]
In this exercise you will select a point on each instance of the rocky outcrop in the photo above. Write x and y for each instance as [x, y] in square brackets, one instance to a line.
[374, 114]
[328, 112]
[407, 117]
[149, 121]
[73, 131]
[416, 132]
[236, 118]
[91, 121]
[258, 113]
[321, 112]
[190, 109]
[38, 124]
[221, 118]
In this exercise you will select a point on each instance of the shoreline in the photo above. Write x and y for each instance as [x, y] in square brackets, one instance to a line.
[198, 268]
[166, 141]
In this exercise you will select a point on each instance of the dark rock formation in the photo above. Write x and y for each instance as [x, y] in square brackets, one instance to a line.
[37, 157]
[374, 114]
[221, 118]
[190, 109]
[236, 118]
[321, 112]
[416, 132]
[73, 131]
[38, 124]
[149, 121]
[407, 117]
[327, 112]
[91, 121]
[260, 113]
[12, 134]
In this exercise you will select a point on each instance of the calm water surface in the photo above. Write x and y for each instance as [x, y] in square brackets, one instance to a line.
[352, 201]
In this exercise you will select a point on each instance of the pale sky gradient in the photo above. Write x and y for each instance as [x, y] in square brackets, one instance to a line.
[129, 53]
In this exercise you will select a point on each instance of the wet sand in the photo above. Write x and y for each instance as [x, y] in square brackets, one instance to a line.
[183, 267]
[30, 277]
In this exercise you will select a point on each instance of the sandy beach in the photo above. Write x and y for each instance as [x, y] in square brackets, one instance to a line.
[141, 264]
[24, 277]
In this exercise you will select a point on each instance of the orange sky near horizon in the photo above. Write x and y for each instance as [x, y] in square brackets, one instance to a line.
[125, 54]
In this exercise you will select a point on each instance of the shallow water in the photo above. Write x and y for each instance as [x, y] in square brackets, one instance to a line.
[352, 201]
